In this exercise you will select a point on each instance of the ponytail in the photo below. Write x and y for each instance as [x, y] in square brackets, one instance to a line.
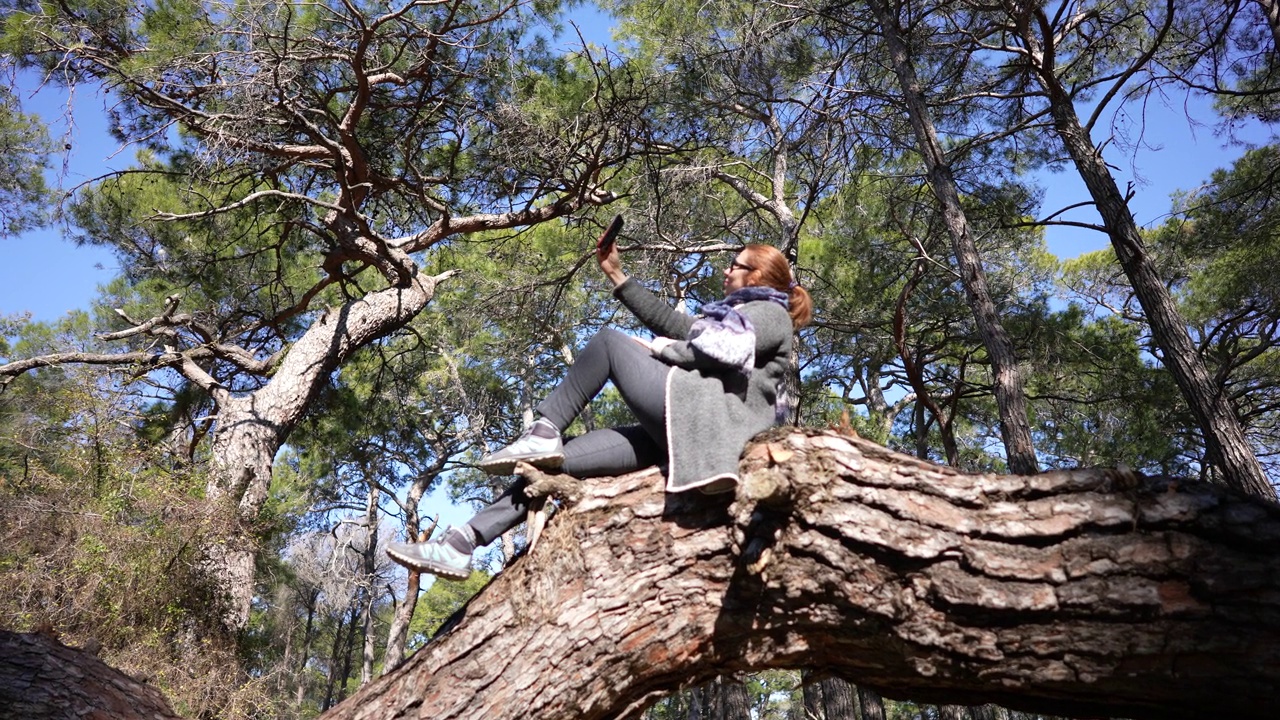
[799, 305]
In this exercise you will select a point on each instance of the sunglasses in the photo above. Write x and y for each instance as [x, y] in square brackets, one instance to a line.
[735, 265]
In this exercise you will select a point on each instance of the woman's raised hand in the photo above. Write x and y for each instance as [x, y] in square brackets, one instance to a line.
[607, 254]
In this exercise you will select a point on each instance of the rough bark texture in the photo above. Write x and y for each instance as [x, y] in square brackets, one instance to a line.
[1087, 592]
[42, 679]
[830, 699]
[1008, 385]
[870, 704]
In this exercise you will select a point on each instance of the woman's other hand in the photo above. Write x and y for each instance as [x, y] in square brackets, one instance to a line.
[657, 344]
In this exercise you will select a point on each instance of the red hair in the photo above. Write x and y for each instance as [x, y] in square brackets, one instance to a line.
[769, 268]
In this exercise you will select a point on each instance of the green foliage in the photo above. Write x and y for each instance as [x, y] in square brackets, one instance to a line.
[1231, 242]
[100, 536]
[440, 602]
[24, 152]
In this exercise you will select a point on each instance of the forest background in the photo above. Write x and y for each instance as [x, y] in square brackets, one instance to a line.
[706, 128]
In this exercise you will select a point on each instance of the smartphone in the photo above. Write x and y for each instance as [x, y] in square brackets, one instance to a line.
[610, 234]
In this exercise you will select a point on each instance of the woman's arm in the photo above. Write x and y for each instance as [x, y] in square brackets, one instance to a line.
[656, 315]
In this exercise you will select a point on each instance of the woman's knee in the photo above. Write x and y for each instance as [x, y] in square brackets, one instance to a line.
[609, 337]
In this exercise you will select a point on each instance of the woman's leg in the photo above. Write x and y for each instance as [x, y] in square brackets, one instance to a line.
[641, 379]
[610, 355]
[612, 451]
[600, 453]
[501, 515]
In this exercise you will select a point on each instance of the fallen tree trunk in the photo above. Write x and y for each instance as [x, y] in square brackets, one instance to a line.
[42, 679]
[1090, 592]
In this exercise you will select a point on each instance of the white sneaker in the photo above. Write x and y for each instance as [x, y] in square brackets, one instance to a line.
[540, 452]
[436, 557]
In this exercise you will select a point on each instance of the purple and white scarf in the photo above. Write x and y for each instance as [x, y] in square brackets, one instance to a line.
[723, 333]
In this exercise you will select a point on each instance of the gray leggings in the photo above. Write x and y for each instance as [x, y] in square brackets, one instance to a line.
[641, 380]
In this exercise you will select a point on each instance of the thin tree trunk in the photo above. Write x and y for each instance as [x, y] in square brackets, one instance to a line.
[811, 697]
[734, 700]
[698, 704]
[369, 649]
[915, 376]
[1008, 384]
[1226, 446]
[308, 635]
[348, 653]
[335, 657]
[398, 633]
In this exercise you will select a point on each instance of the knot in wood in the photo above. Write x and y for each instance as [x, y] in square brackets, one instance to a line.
[542, 484]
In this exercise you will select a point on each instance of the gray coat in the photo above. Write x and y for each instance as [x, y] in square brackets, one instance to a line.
[712, 410]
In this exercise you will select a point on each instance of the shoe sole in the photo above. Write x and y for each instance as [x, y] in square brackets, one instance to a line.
[508, 466]
[441, 571]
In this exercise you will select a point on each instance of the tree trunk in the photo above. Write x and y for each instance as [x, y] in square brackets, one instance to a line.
[1226, 446]
[870, 704]
[308, 635]
[1008, 385]
[369, 647]
[348, 653]
[1085, 592]
[830, 699]
[252, 427]
[398, 633]
[839, 699]
[988, 712]
[732, 702]
[335, 656]
[42, 679]
[811, 697]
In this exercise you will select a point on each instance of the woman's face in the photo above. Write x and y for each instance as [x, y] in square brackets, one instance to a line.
[735, 276]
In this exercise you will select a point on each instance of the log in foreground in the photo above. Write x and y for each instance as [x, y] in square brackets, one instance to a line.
[42, 679]
[1090, 592]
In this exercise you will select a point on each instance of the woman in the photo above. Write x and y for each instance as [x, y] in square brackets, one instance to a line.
[700, 390]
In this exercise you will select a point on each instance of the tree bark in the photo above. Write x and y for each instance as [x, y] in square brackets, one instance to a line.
[252, 427]
[1226, 446]
[308, 636]
[839, 699]
[870, 704]
[42, 679]
[398, 633]
[1085, 592]
[811, 697]
[1008, 384]
[732, 702]
[369, 575]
